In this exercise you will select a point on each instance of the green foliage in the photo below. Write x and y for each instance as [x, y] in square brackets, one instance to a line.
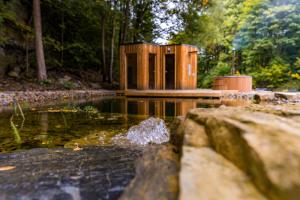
[90, 109]
[220, 70]
[46, 82]
[260, 37]
[202, 23]
[73, 30]
[292, 85]
[9, 21]
[68, 85]
[273, 75]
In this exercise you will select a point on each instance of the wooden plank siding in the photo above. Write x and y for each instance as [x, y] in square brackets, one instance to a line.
[185, 56]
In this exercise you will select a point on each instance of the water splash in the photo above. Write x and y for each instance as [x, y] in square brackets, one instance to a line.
[152, 130]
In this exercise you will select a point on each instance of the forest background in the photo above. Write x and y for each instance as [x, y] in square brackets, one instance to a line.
[81, 38]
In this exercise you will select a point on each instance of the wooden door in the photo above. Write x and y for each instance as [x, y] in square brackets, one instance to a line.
[131, 71]
[152, 58]
[170, 71]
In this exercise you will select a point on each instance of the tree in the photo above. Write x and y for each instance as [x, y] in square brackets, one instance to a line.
[39, 49]
[201, 24]
[112, 50]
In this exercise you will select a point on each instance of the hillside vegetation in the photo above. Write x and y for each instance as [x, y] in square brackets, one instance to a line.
[81, 38]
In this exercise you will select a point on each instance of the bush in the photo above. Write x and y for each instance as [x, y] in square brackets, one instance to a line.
[272, 76]
[68, 85]
[221, 69]
[292, 85]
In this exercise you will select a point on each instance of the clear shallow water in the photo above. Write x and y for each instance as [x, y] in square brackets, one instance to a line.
[89, 123]
[102, 170]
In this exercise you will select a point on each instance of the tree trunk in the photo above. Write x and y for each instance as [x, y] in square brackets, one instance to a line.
[103, 51]
[39, 50]
[62, 39]
[124, 22]
[112, 50]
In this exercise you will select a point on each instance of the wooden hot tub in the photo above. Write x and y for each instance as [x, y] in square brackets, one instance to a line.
[240, 83]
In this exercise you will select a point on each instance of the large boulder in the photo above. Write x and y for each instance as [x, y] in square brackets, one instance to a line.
[156, 175]
[207, 175]
[264, 146]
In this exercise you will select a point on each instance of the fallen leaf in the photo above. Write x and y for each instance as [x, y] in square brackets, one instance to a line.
[7, 168]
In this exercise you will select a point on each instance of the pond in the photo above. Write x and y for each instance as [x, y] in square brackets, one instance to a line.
[63, 125]
[37, 157]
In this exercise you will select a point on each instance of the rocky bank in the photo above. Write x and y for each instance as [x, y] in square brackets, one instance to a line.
[45, 97]
[240, 153]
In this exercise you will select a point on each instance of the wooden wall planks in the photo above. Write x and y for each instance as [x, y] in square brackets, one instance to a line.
[185, 76]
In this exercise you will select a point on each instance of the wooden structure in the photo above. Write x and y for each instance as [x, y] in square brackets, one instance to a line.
[239, 83]
[198, 93]
[146, 66]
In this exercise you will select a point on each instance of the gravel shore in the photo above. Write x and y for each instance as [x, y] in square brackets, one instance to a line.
[7, 98]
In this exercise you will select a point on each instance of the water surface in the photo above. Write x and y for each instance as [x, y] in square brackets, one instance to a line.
[89, 123]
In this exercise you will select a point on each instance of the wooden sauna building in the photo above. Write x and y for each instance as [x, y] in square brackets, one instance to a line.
[145, 66]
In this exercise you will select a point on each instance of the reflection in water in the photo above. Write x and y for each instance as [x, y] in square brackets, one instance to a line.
[43, 136]
[61, 125]
[172, 107]
[15, 131]
[157, 107]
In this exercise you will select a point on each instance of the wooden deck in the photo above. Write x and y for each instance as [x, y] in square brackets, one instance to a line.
[199, 93]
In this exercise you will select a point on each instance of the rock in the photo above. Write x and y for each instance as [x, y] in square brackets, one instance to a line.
[263, 96]
[152, 130]
[292, 111]
[207, 175]
[95, 85]
[65, 79]
[17, 70]
[98, 138]
[264, 146]
[177, 132]
[290, 96]
[156, 175]
[90, 173]
[194, 135]
[13, 74]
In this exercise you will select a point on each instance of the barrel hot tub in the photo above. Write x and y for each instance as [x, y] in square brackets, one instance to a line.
[240, 83]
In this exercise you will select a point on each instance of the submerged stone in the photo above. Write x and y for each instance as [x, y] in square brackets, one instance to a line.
[91, 173]
[152, 130]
